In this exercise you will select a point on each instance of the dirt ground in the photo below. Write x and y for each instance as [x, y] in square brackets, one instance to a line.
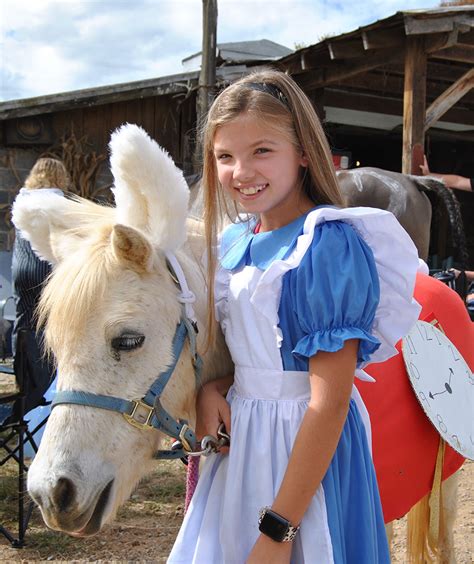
[147, 525]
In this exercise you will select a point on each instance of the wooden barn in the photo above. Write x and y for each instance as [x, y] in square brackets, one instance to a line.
[386, 92]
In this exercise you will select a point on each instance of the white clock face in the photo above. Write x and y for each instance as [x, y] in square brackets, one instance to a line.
[443, 384]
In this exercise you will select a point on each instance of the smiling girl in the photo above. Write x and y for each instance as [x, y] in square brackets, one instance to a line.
[306, 293]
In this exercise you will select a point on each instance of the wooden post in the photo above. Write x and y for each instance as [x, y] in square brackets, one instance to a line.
[414, 105]
[207, 76]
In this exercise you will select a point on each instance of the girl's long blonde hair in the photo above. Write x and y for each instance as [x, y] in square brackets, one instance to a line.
[48, 173]
[292, 115]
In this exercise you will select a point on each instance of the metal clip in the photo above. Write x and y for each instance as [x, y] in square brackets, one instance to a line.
[182, 437]
[141, 415]
[223, 436]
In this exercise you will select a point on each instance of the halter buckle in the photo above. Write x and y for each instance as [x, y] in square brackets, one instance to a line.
[182, 437]
[141, 415]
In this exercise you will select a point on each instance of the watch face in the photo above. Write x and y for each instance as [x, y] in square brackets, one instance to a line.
[273, 526]
[443, 384]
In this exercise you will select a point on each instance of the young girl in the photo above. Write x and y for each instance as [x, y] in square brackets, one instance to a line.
[305, 292]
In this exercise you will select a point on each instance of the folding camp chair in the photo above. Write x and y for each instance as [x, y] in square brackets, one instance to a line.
[14, 431]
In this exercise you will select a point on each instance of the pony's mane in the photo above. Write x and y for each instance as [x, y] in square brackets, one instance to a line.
[79, 281]
[86, 214]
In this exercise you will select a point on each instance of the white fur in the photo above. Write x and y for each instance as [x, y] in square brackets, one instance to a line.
[89, 448]
[56, 226]
[139, 164]
[37, 214]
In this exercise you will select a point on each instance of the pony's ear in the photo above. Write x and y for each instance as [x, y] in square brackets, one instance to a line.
[131, 248]
[150, 192]
[44, 218]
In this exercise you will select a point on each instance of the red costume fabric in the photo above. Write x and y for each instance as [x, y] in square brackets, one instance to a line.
[405, 443]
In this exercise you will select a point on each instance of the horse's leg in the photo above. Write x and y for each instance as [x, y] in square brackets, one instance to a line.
[448, 516]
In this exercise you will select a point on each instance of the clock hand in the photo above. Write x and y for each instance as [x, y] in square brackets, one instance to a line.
[447, 385]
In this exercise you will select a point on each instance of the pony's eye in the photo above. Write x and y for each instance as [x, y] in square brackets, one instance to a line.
[128, 342]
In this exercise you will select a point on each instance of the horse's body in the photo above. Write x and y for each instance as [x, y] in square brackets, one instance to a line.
[111, 285]
[405, 196]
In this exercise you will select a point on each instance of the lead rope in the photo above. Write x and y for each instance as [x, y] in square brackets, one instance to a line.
[209, 445]
[192, 477]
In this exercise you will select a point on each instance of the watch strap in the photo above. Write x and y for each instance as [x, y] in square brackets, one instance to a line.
[291, 530]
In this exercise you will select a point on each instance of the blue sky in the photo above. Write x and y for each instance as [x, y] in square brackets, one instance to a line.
[50, 46]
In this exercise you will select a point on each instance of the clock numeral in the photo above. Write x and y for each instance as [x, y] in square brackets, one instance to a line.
[422, 397]
[425, 330]
[414, 371]
[442, 425]
[456, 358]
[410, 344]
[456, 440]
[435, 333]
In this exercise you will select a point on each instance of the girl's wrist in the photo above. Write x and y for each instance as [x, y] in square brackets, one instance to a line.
[220, 385]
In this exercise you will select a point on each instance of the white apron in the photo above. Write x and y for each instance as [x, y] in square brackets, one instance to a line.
[267, 407]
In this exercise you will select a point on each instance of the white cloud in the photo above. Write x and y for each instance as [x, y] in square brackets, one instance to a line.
[51, 46]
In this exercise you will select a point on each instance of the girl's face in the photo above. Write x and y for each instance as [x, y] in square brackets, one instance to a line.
[259, 168]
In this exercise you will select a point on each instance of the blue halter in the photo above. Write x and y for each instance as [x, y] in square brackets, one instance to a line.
[148, 412]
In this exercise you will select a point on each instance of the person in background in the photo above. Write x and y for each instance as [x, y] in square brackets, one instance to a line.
[456, 182]
[451, 180]
[28, 276]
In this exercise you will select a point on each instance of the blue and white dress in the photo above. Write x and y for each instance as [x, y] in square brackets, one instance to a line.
[281, 296]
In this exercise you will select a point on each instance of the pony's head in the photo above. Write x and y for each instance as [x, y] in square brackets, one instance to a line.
[110, 311]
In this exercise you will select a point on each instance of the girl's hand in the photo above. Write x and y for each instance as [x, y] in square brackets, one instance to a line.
[212, 408]
[267, 551]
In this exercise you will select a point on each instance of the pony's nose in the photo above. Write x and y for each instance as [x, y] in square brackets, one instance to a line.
[63, 494]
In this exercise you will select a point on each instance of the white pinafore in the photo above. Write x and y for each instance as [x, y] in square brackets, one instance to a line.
[267, 407]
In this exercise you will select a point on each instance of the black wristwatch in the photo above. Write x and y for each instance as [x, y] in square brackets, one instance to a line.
[275, 526]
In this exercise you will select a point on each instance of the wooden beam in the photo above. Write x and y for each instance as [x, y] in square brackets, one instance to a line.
[417, 25]
[439, 41]
[454, 93]
[345, 49]
[461, 53]
[320, 77]
[467, 38]
[437, 70]
[380, 82]
[306, 59]
[414, 102]
[56, 103]
[383, 38]
[175, 84]
[362, 102]
[354, 100]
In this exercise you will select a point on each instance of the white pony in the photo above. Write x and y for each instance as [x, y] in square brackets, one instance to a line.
[112, 308]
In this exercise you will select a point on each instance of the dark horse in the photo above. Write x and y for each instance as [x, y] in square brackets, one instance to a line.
[405, 196]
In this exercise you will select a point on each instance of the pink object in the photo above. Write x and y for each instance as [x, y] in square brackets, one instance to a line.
[192, 477]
